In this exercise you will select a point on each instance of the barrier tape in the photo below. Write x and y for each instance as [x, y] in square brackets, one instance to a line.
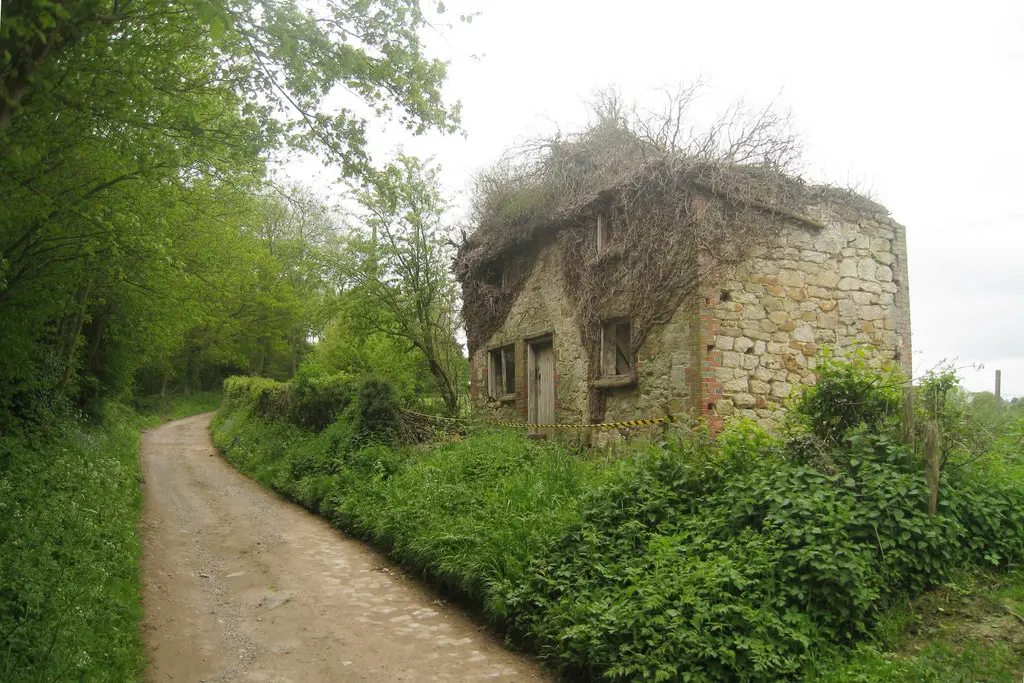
[603, 425]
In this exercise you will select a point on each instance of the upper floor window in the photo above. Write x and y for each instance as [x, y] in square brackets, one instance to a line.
[497, 274]
[609, 223]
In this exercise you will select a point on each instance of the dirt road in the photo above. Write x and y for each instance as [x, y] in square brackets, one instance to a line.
[242, 586]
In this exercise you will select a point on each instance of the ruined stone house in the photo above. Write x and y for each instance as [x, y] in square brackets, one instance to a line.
[739, 339]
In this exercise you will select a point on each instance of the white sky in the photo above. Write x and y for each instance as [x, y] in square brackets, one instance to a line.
[920, 103]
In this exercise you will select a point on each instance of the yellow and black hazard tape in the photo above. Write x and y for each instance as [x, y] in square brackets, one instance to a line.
[602, 425]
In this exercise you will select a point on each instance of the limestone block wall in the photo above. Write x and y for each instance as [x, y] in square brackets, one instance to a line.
[743, 344]
[763, 325]
[668, 372]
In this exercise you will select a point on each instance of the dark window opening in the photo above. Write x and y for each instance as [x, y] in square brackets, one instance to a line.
[502, 371]
[616, 358]
[508, 359]
[497, 275]
[610, 220]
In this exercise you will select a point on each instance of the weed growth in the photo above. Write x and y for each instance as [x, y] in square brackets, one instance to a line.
[738, 558]
[69, 549]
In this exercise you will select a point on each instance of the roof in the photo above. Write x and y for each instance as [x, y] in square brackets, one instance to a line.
[519, 206]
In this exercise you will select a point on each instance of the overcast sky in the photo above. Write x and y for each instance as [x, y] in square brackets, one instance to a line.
[920, 103]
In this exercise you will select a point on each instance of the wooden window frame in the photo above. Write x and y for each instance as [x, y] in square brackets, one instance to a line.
[500, 374]
[613, 351]
[610, 220]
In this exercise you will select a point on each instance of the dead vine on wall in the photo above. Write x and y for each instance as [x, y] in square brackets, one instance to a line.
[680, 214]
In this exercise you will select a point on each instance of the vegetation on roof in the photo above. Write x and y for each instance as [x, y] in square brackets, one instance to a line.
[683, 204]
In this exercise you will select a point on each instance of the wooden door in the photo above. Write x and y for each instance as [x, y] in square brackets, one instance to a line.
[542, 386]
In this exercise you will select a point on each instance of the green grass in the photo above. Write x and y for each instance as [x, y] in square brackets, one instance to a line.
[69, 551]
[179, 406]
[964, 631]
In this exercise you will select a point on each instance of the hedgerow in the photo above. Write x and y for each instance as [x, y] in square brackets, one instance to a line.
[692, 558]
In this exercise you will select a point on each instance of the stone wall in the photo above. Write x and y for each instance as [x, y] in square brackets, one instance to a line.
[745, 343]
[668, 372]
[667, 364]
[844, 286]
[541, 309]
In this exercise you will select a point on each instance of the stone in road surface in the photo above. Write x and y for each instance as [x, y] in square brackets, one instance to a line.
[240, 585]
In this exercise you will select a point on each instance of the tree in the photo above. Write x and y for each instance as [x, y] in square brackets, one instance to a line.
[134, 136]
[405, 269]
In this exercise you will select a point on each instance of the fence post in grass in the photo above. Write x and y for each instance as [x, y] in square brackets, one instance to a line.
[931, 464]
[908, 418]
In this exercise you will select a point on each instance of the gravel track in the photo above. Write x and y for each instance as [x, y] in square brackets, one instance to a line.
[240, 585]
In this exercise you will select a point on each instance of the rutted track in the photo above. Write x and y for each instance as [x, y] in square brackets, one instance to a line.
[240, 585]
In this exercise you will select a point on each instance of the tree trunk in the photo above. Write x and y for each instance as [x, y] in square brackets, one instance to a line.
[444, 385]
[70, 331]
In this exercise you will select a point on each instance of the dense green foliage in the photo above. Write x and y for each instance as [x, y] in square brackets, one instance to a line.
[686, 559]
[69, 550]
[179, 406]
[845, 396]
[142, 248]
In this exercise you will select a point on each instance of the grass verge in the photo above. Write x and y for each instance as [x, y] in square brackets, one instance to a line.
[69, 551]
[743, 557]
[969, 629]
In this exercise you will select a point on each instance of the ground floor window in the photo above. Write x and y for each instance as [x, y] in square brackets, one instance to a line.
[616, 358]
[501, 371]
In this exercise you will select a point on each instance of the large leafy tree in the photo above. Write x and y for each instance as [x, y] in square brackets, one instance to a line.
[404, 272]
[133, 141]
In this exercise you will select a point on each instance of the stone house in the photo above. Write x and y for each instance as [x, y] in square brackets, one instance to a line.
[739, 342]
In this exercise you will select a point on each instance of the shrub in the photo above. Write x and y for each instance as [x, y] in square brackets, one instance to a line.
[318, 400]
[848, 393]
[375, 415]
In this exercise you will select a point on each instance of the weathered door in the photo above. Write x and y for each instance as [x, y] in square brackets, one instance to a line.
[542, 385]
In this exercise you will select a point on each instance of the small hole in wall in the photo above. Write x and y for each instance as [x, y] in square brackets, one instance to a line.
[750, 350]
[725, 296]
[711, 347]
[711, 406]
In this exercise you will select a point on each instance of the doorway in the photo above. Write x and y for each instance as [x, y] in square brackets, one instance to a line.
[541, 374]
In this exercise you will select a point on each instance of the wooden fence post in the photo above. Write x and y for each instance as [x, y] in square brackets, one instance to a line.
[908, 417]
[931, 463]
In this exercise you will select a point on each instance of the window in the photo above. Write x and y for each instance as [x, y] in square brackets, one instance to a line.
[501, 371]
[497, 275]
[609, 220]
[616, 358]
